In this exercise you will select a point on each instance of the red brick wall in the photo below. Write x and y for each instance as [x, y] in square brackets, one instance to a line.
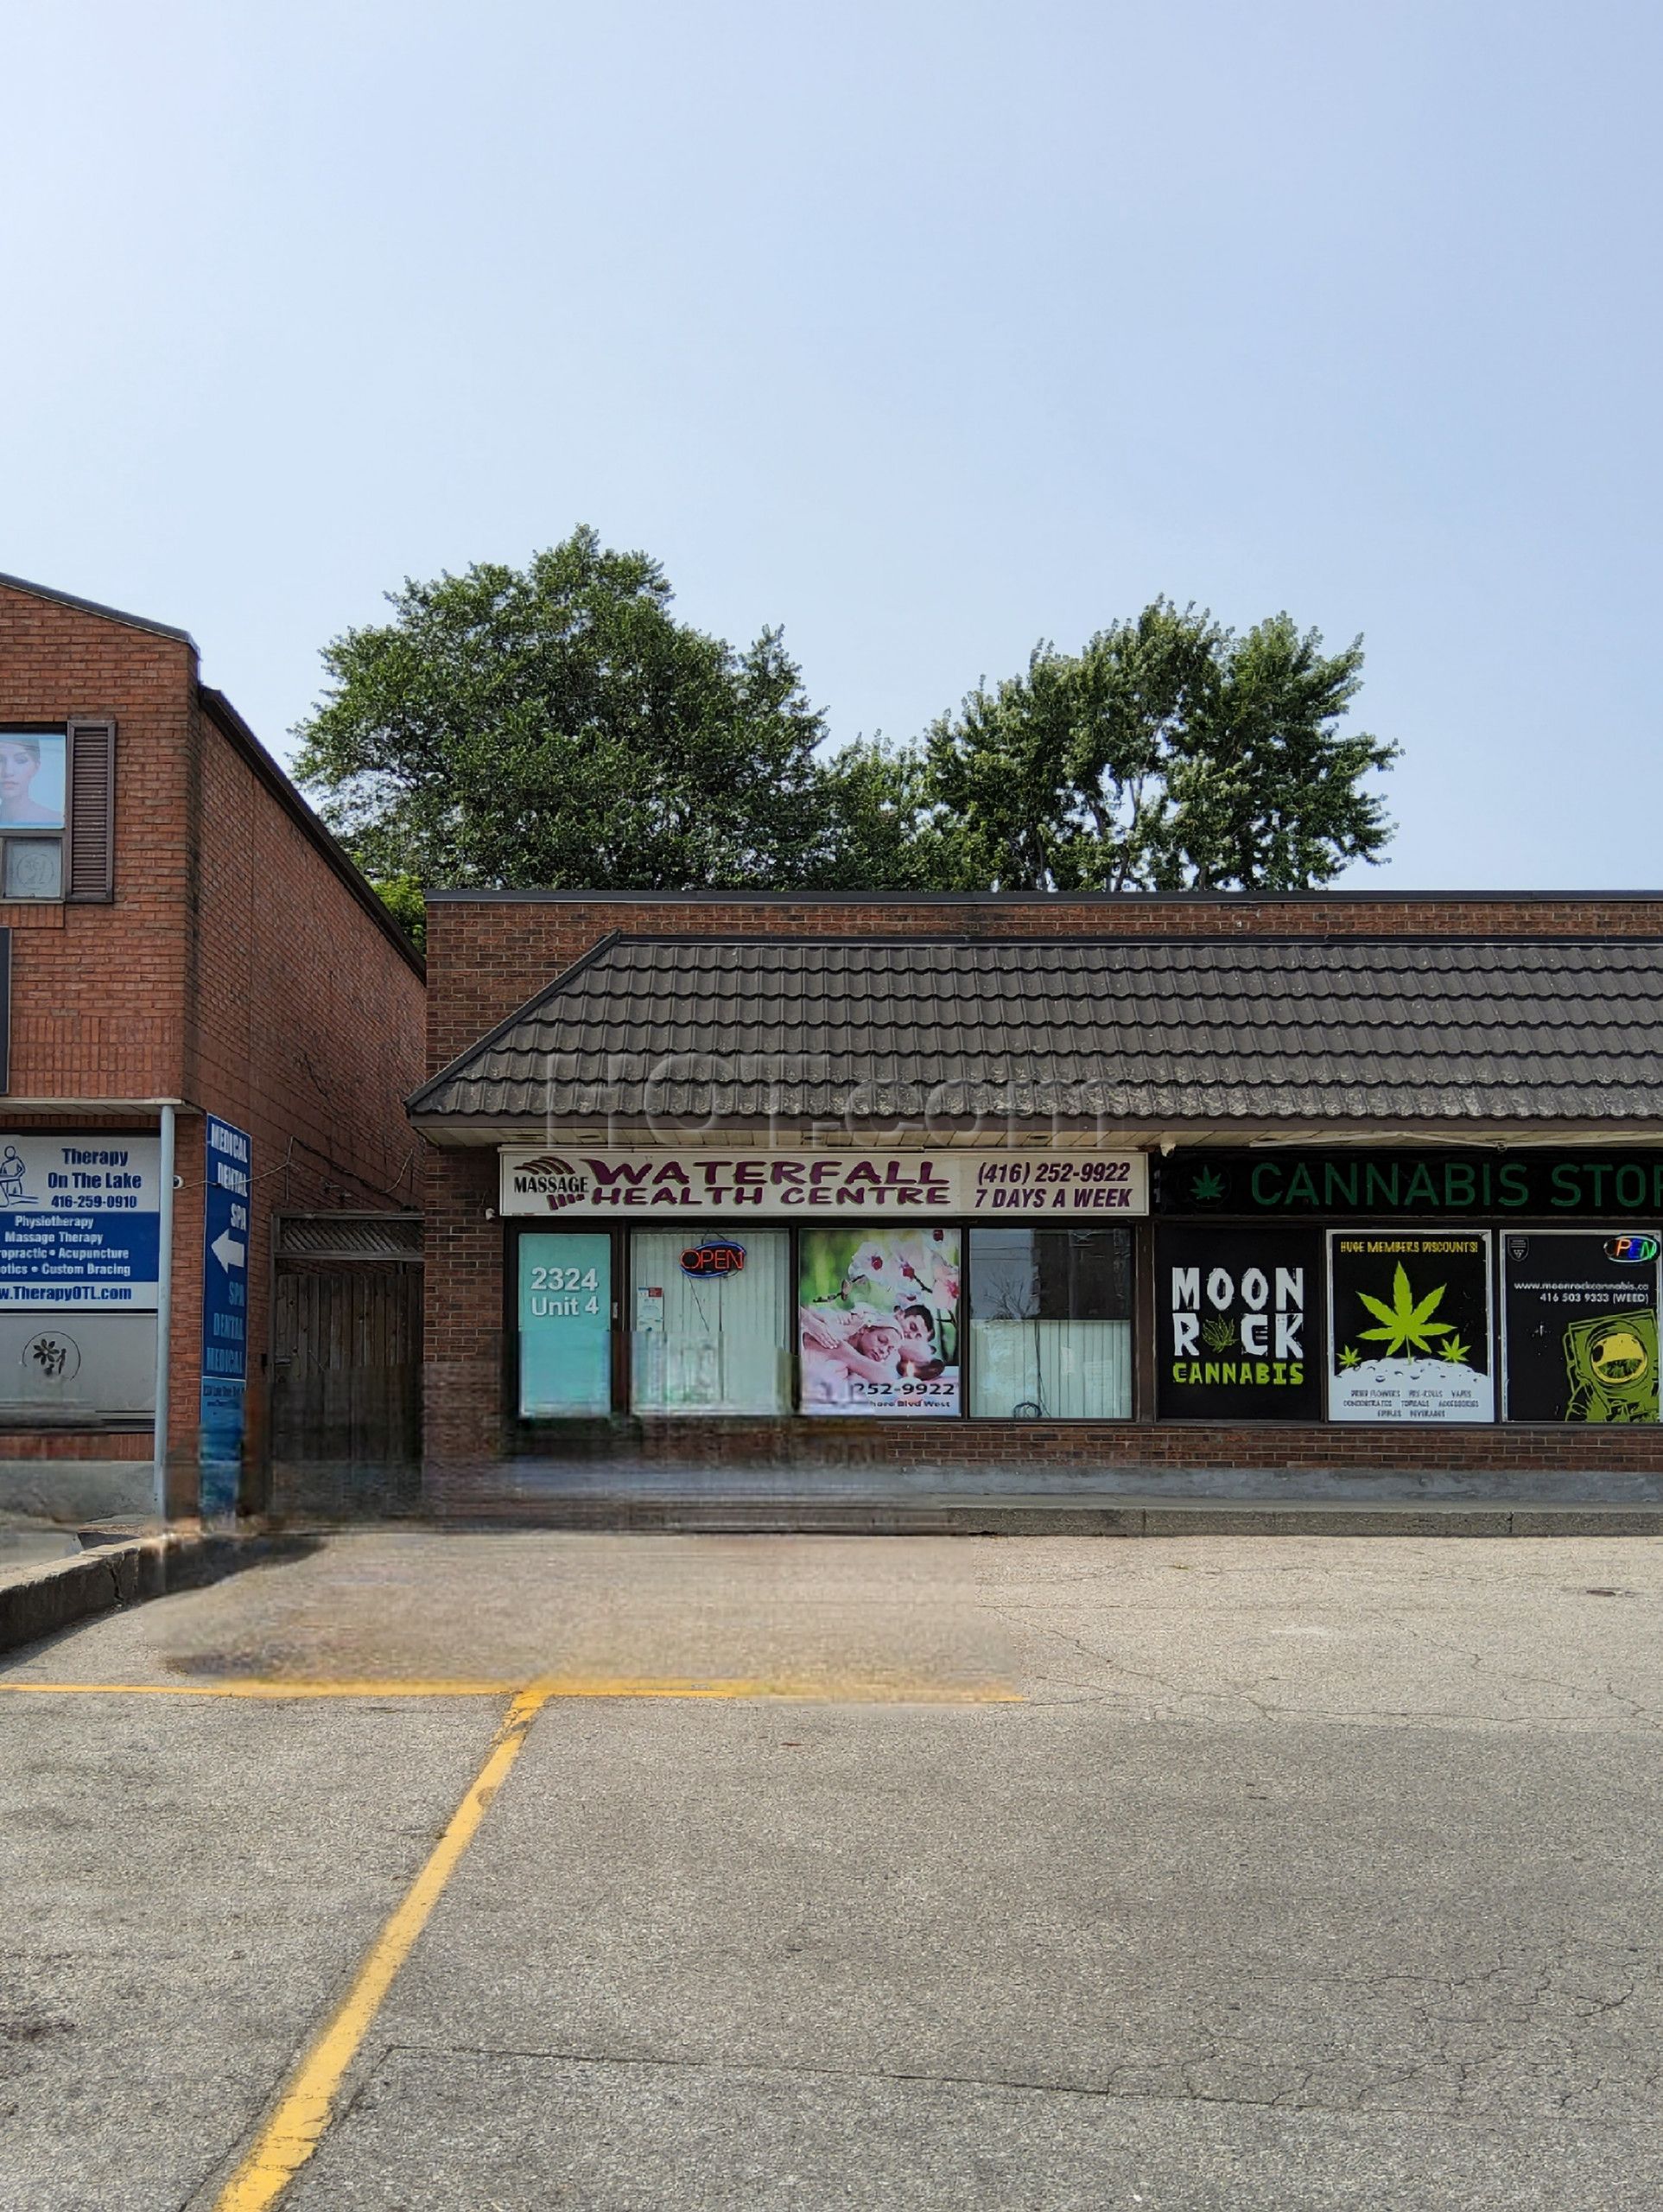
[306, 1030]
[235, 968]
[98, 1002]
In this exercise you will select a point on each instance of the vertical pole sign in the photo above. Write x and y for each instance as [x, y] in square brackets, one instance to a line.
[224, 1317]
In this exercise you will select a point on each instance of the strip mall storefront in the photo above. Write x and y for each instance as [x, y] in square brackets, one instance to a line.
[877, 1285]
[813, 1198]
[1317, 1287]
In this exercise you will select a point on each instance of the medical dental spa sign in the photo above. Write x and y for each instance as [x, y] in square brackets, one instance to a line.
[1238, 1324]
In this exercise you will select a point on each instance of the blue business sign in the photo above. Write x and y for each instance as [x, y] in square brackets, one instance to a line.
[224, 1315]
[80, 1220]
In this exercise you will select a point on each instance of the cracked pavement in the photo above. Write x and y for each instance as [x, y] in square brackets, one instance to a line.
[1308, 1872]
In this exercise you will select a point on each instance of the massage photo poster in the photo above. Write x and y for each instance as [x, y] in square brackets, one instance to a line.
[1410, 1329]
[878, 1320]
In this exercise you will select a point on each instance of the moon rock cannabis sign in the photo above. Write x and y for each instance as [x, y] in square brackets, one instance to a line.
[1238, 1313]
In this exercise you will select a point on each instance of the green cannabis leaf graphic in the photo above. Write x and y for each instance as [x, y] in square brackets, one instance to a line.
[1407, 1327]
[1208, 1184]
[1350, 1357]
[1454, 1349]
[1218, 1335]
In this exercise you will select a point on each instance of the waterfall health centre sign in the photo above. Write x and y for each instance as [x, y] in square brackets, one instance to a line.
[1409, 1331]
[581, 1180]
[1579, 1326]
[80, 1222]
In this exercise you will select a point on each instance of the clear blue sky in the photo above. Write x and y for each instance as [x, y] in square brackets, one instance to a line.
[924, 330]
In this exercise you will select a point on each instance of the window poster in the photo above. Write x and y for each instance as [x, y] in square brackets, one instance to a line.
[878, 1320]
[1410, 1328]
[31, 780]
[1238, 1317]
[1579, 1324]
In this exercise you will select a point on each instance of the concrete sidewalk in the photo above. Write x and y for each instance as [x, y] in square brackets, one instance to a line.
[50, 1578]
[952, 1499]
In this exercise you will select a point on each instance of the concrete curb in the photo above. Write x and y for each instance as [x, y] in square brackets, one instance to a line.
[1030, 1517]
[39, 1600]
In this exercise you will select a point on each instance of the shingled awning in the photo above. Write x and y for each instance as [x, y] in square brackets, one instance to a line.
[1168, 1033]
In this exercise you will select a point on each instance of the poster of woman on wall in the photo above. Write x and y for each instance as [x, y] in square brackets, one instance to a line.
[878, 1320]
[31, 778]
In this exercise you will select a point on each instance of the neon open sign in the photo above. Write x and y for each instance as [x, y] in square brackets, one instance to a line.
[717, 1255]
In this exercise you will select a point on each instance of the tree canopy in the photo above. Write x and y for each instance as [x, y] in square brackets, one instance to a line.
[558, 727]
[1168, 755]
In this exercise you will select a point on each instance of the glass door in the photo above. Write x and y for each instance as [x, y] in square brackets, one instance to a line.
[565, 1324]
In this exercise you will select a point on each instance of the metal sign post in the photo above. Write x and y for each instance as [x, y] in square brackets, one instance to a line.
[164, 1305]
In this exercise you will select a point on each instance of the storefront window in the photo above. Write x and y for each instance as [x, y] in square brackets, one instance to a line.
[711, 1323]
[565, 1315]
[1051, 1324]
[1238, 1322]
[1409, 1334]
[1579, 1314]
[878, 1320]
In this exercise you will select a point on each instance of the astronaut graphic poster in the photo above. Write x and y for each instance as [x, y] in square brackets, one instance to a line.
[1410, 1327]
[1579, 1322]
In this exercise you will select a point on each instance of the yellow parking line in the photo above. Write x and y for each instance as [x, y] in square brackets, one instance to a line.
[797, 1689]
[791, 1689]
[269, 1687]
[307, 2103]
[294, 2129]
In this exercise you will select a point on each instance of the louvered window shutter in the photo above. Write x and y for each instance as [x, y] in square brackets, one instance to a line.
[90, 813]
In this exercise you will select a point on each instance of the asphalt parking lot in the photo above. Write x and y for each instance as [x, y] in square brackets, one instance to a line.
[458, 1872]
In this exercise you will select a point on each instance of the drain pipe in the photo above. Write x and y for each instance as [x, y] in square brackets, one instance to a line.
[164, 1298]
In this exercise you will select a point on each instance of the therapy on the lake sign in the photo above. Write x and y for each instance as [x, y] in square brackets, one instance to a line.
[1594, 1184]
[80, 1220]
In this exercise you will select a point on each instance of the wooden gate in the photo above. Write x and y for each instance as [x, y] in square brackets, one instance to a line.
[347, 1364]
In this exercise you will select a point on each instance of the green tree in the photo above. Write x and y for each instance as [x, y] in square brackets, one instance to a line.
[1170, 753]
[557, 726]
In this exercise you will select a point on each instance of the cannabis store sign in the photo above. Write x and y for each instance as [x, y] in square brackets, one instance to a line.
[1590, 1185]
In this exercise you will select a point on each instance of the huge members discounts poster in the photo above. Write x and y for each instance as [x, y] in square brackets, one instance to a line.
[1579, 1322]
[1410, 1331]
[878, 1320]
[1238, 1313]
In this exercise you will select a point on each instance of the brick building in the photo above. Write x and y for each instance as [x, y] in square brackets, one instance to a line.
[187, 948]
[1337, 1180]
